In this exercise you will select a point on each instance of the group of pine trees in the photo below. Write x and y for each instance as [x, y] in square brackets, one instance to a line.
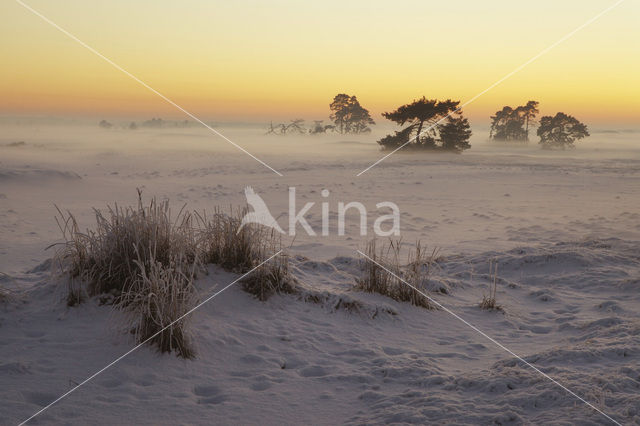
[511, 124]
[349, 116]
[559, 131]
[432, 124]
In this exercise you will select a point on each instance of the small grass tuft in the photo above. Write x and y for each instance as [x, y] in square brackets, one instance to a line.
[225, 242]
[489, 301]
[158, 299]
[270, 278]
[384, 274]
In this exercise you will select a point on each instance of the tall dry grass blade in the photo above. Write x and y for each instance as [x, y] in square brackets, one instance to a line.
[378, 279]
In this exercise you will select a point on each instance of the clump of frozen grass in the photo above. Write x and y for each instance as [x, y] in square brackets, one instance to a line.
[240, 248]
[489, 301]
[107, 259]
[72, 258]
[271, 277]
[384, 273]
[5, 296]
[225, 242]
[145, 262]
[143, 258]
[157, 302]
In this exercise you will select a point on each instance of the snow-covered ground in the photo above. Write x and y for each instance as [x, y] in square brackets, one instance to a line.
[563, 227]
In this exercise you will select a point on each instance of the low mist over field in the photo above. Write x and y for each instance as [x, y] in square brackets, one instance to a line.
[561, 226]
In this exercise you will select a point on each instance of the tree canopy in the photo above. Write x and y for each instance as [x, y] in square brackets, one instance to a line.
[105, 124]
[511, 124]
[455, 134]
[349, 116]
[319, 127]
[420, 112]
[560, 131]
[444, 131]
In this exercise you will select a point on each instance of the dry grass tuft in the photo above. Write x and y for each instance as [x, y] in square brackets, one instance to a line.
[391, 278]
[489, 301]
[144, 262]
[72, 259]
[107, 259]
[225, 242]
[5, 296]
[159, 297]
[141, 257]
[272, 277]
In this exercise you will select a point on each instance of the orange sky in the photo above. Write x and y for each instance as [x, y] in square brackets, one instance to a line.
[256, 60]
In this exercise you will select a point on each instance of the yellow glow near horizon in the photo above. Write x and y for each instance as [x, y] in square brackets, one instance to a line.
[248, 60]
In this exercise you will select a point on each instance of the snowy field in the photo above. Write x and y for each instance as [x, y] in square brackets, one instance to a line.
[563, 228]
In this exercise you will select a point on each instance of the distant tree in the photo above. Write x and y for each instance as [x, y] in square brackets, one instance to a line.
[133, 125]
[105, 124]
[154, 122]
[296, 125]
[507, 125]
[455, 134]
[359, 119]
[318, 127]
[447, 128]
[560, 131]
[348, 115]
[529, 112]
[511, 124]
[420, 112]
[274, 130]
[340, 111]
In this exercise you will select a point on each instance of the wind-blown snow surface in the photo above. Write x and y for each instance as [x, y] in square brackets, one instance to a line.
[564, 229]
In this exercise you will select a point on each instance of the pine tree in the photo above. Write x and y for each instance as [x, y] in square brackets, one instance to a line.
[424, 117]
[348, 115]
[455, 134]
[560, 131]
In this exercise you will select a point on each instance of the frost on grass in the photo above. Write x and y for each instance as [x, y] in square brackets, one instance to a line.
[489, 301]
[5, 296]
[226, 243]
[383, 273]
[125, 240]
[158, 301]
[270, 278]
[144, 261]
[237, 248]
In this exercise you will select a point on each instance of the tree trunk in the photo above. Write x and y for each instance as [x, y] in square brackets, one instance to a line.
[418, 134]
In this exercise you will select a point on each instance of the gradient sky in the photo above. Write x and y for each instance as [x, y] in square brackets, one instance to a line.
[276, 59]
